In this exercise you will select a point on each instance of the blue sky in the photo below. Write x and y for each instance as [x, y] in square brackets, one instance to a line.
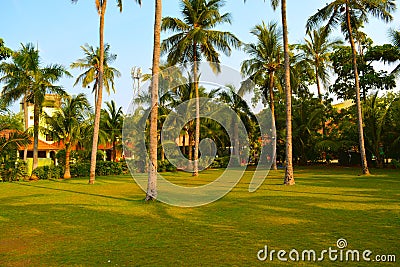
[59, 28]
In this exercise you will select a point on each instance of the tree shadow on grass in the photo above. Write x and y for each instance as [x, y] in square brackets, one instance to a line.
[83, 193]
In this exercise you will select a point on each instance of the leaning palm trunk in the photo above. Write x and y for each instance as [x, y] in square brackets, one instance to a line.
[272, 107]
[152, 180]
[99, 97]
[364, 164]
[289, 177]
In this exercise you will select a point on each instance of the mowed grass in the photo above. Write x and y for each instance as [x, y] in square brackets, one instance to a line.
[71, 223]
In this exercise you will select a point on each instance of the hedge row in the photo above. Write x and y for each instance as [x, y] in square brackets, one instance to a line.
[103, 168]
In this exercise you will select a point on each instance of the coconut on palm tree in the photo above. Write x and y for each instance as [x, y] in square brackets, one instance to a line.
[351, 13]
[195, 37]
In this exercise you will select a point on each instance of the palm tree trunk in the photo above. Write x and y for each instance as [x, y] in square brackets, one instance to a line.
[99, 98]
[114, 151]
[318, 83]
[289, 177]
[67, 173]
[36, 110]
[272, 107]
[183, 144]
[25, 106]
[364, 164]
[190, 154]
[197, 129]
[152, 180]
[319, 96]
[236, 150]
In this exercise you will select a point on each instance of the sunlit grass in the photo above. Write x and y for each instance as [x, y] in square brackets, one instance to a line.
[70, 223]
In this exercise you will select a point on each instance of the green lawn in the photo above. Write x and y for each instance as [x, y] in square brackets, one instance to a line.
[70, 223]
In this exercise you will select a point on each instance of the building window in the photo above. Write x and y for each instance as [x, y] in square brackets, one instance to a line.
[49, 137]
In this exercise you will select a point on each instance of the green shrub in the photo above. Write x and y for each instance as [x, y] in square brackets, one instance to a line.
[80, 169]
[49, 172]
[103, 168]
[165, 165]
[395, 164]
[13, 171]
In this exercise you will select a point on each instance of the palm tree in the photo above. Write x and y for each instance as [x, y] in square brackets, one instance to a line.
[32, 81]
[94, 73]
[5, 52]
[351, 12]
[395, 39]
[65, 124]
[101, 6]
[265, 61]
[16, 84]
[90, 64]
[316, 51]
[289, 177]
[240, 107]
[111, 122]
[194, 39]
[151, 193]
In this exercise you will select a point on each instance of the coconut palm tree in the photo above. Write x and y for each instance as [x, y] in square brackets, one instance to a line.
[265, 61]
[196, 38]
[101, 6]
[65, 124]
[289, 177]
[96, 70]
[240, 107]
[151, 193]
[16, 84]
[111, 122]
[351, 13]
[316, 51]
[5, 52]
[395, 40]
[90, 64]
[33, 82]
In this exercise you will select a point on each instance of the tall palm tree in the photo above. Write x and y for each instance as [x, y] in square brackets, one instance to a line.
[16, 83]
[196, 38]
[111, 122]
[347, 12]
[151, 193]
[265, 61]
[65, 124]
[33, 81]
[316, 51]
[101, 6]
[96, 70]
[289, 177]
